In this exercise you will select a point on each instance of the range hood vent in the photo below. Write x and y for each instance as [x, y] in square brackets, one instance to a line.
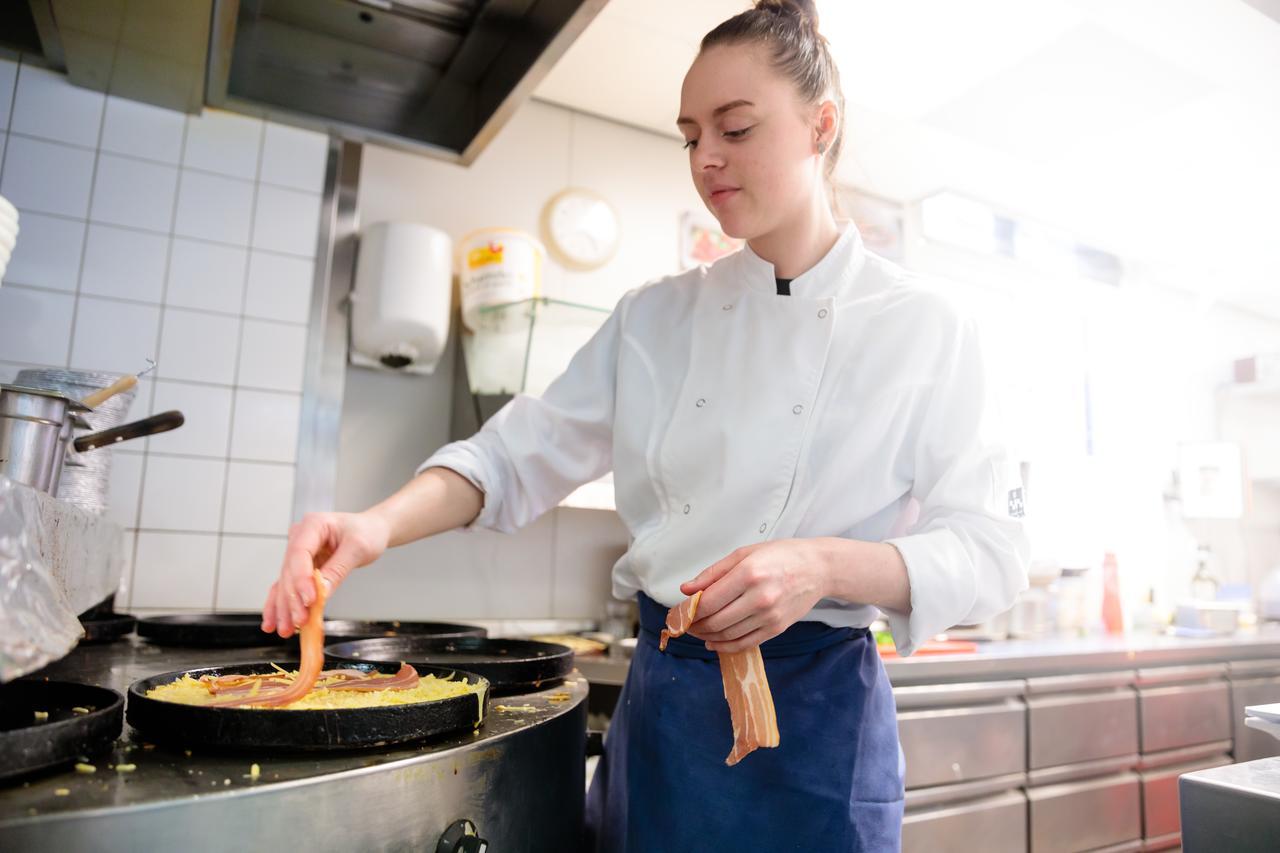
[439, 74]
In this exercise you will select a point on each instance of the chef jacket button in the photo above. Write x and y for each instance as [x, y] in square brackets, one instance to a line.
[797, 409]
[764, 527]
[727, 308]
[687, 508]
[822, 314]
[701, 402]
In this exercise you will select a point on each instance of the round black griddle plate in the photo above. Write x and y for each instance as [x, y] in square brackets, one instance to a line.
[351, 629]
[27, 745]
[512, 666]
[208, 630]
[346, 728]
[106, 628]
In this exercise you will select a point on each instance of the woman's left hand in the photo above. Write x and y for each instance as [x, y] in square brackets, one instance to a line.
[757, 592]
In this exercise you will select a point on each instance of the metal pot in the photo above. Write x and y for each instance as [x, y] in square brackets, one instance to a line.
[36, 430]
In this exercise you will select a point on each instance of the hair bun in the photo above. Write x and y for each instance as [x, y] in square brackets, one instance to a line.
[805, 10]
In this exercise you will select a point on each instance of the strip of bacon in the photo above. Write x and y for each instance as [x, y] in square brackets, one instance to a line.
[746, 688]
[311, 639]
[679, 618]
[405, 679]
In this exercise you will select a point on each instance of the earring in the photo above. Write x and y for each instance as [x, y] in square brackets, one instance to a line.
[822, 148]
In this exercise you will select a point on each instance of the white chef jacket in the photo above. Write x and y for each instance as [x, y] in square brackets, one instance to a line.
[732, 415]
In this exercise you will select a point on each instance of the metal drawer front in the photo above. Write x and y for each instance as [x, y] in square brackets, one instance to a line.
[948, 745]
[1085, 815]
[1070, 728]
[1184, 715]
[1160, 796]
[1251, 743]
[996, 824]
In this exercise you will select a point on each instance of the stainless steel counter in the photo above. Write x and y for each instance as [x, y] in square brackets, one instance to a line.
[346, 800]
[1034, 658]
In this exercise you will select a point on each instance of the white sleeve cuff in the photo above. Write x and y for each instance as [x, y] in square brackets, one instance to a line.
[941, 577]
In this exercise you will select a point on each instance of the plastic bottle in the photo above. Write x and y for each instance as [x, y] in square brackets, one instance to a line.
[1112, 615]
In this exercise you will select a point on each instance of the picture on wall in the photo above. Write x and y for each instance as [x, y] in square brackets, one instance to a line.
[702, 241]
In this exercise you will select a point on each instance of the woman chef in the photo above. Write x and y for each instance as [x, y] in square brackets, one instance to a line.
[768, 420]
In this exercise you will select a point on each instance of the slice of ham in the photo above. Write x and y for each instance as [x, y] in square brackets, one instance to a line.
[746, 688]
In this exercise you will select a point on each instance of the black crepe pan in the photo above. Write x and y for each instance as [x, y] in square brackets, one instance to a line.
[353, 629]
[207, 630]
[347, 728]
[512, 666]
[28, 745]
[106, 628]
[244, 630]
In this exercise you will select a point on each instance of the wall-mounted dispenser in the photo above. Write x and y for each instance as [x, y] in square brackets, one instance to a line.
[400, 304]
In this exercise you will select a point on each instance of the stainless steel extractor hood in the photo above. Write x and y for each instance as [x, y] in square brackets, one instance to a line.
[443, 75]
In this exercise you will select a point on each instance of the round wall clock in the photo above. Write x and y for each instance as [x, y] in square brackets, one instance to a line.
[581, 228]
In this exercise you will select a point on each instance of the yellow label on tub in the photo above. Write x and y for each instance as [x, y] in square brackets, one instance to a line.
[490, 253]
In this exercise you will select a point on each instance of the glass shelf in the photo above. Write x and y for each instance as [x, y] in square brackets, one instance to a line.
[520, 347]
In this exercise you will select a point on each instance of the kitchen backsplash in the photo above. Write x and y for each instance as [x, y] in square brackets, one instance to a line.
[190, 240]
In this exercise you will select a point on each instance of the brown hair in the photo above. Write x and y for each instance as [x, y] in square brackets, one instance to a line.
[789, 30]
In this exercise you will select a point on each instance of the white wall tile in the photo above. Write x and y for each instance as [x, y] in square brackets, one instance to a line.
[124, 263]
[272, 355]
[142, 130]
[35, 326]
[8, 75]
[182, 494]
[114, 336]
[47, 177]
[223, 142]
[126, 487]
[49, 106]
[213, 207]
[293, 157]
[174, 570]
[134, 192]
[207, 410]
[279, 287]
[197, 346]
[47, 253]
[265, 426]
[259, 498]
[206, 275]
[247, 567]
[286, 221]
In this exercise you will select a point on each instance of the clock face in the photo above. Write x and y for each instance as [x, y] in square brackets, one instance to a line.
[582, 228]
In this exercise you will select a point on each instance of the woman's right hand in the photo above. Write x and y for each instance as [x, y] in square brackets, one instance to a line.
[333, 542]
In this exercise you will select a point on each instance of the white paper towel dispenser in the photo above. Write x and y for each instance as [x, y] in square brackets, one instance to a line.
[401, 299]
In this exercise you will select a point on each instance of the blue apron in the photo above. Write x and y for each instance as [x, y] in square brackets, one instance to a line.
[834, 783]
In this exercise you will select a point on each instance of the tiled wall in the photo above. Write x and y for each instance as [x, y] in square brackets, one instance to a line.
[191, 240]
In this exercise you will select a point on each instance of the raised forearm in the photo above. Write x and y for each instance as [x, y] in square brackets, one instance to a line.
[865, 572]
[436, 500]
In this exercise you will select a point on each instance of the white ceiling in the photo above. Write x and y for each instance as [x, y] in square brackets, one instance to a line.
[1148, 127]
